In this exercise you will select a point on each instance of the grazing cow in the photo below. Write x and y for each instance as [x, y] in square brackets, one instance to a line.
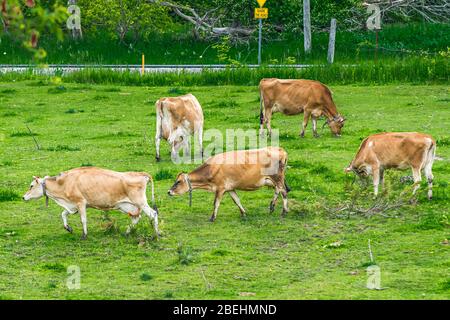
[80, 188]
[395, 150]
[292, 97]
[238, 170]
[177, 119]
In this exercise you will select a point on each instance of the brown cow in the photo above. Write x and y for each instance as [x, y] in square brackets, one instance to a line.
[80, 188]
[238, 170]
[177, 119]
[396, 150]
[292, 97]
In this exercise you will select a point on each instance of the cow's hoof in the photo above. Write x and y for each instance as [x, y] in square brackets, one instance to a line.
[84, 237]
[284, 214]
[69, 229]
[212, 219]
[158, 159]
[413, 201]
[430, 198]
[302, 135]
[316, 135]
[271, 208]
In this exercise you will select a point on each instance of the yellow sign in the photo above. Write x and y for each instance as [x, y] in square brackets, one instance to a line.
[261, 3]
[261, 13]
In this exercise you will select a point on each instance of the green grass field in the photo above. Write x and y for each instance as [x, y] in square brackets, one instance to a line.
[263, 256]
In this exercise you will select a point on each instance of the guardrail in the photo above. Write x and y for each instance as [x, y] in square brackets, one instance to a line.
[195, 68]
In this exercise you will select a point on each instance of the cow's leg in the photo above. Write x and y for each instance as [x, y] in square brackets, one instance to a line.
[376, 180]
[153, 216]
[64, 215]
[200, 141]
[274, 200]
[417, 179]
[267, 120]
[158, 137]
[157, 144]
[305, 123]
[134, 222]
[429, 175]
[82, 211]
[285, 202]
[176, 145]
[217, 200]
[186, 147]
[314, 123]
[237, 201]
[261, 127]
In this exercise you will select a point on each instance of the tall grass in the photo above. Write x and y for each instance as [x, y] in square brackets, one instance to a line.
[405, 71]
[413, 70]
[395, 41]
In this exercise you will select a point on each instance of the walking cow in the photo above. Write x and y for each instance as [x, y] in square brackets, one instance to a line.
[238, 170]
[81, 188]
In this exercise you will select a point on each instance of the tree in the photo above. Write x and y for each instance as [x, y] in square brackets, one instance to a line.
[26, 20]
[126, 20]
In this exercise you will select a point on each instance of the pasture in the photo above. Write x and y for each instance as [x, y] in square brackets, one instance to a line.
[311, 254]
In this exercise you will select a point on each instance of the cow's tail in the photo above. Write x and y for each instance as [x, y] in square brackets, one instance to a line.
[431, 155]
[158, 135]
[261, 107]
[159, 107]
[152, 187]
[282, 169]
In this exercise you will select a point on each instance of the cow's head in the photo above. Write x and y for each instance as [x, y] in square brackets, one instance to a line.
[181, 185]
[336, 124]
[361, 171]
[35, 191]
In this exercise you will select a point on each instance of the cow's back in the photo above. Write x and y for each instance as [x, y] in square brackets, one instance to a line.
[183, 111]
[399, 149]
[245, 169]
[291, 96]
[100, 188]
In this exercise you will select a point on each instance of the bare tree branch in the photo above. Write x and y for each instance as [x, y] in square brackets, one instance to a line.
[205, 22]
[430, 10]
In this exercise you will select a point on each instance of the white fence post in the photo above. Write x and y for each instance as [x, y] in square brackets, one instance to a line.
[332, 42]
[307, 25]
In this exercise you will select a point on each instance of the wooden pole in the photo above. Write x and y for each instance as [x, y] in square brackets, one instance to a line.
[143, 65]
[259, 42]
[307, 25]
[332, 42]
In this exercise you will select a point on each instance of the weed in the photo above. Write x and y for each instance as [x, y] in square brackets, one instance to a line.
[22, 134]
[8, 195]
[57, 89]
[164, 174]
[146, 277]
[53, 266]
[63, 147]
[176, 91]
[184, 254]
[72, 111]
